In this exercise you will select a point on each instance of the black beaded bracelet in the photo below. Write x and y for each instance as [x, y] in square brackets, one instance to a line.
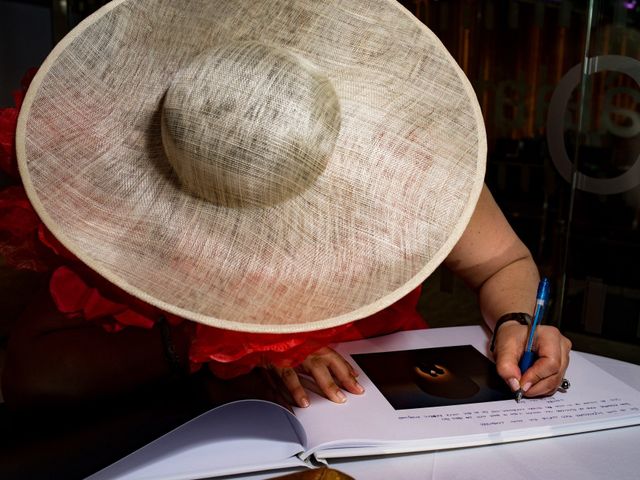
[520, 317]
[169, 348]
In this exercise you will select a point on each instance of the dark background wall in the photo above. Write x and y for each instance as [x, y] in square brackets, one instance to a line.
[25, 40]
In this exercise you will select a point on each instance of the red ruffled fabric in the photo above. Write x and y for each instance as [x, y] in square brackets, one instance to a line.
[227, 353]
[20, 229]
[8, 122]
[231, 353]
[77, 291]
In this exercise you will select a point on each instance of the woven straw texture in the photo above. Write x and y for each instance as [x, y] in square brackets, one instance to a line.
[267, 166]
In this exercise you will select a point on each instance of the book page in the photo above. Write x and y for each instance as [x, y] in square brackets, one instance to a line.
[412, 414]
[236, 438]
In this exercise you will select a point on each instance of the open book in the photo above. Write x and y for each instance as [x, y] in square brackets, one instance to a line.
[425, 390]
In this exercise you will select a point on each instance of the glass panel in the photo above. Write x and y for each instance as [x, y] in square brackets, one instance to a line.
[602, 289]
[557, 80]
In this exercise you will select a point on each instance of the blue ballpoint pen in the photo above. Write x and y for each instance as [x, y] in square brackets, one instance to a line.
[528, 357]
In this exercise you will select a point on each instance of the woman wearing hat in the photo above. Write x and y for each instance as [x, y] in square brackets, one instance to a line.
[250, 182]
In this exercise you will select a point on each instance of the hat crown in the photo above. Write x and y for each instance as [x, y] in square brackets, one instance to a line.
[248, 124]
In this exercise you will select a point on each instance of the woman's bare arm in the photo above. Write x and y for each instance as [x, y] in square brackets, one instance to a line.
[494, 262]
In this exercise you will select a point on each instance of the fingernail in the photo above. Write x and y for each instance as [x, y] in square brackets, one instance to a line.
[514, 384]
[304, 402]
[341, 397]
[526, 386]
[359, 387]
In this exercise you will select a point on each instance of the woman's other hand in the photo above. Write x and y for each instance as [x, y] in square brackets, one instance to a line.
[324, 371]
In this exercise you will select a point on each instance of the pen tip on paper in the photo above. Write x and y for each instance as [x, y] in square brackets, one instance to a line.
[519, 394]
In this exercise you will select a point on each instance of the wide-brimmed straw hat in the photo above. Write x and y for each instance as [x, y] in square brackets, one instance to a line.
[263, 166]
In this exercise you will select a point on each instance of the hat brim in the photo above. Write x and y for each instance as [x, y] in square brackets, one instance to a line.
[402, 184]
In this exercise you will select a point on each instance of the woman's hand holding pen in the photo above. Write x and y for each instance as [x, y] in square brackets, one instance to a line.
[546, 374]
